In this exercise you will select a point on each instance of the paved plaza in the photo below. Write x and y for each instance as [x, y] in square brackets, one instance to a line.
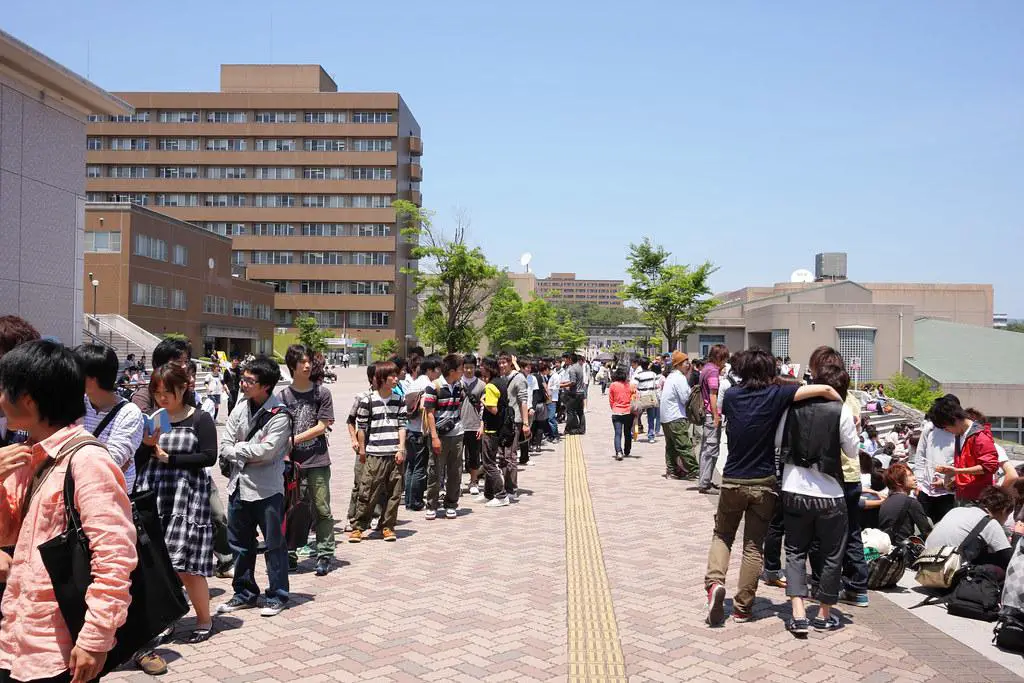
[596, 574]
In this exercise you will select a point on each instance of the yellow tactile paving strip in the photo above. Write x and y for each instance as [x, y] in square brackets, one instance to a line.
[595, 653]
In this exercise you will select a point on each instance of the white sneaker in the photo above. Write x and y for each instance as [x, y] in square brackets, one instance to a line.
[496, 503]
[465, 488]
[474, 490]
[480, 499]
[373, 523]
[431, 514]
[450, 513]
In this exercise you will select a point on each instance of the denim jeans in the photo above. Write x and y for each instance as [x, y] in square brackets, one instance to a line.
[623, 425]
[243, 519]
[855, 567]
[553, 419]
[417, 453]
[652, 421]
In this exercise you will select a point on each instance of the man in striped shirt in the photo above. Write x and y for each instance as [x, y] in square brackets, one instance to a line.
[442, 420]
[380, 432]
[646, 386]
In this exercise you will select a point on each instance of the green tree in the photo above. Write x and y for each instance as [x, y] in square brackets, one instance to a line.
[455, 278]
[674, 299]
[529, 328]
[593, 315]
[1015, 326]
[311, 334]
[385, 349]
[918, 393]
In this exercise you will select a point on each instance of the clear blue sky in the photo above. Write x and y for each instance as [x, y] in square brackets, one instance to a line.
[750, 133]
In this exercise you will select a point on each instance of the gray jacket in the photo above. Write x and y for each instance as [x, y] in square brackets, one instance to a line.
[257, 465]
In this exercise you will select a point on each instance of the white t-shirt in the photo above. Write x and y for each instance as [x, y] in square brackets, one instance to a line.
[808, 481]
[412, 386]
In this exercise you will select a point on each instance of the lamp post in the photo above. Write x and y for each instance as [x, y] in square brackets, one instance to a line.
[95, 286]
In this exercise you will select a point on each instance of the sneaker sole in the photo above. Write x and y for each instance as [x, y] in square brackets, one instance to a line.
[716, 610]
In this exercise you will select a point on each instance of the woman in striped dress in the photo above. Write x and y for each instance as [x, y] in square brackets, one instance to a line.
[176, 473]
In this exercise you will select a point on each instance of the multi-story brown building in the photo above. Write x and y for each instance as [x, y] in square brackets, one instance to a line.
[300, 176]
[168, 276]
[571, 290]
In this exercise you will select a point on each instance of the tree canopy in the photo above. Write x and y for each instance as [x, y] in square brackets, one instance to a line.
[310, 333]
[454, 278]
[385, 349]
[529, 328]
[918, 393]
[675, 299]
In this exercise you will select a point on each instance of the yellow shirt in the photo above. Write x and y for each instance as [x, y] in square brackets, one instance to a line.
[491, 396]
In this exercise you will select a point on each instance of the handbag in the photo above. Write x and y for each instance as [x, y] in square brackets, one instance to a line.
[937, 567]
[157, 600]
[646, 400]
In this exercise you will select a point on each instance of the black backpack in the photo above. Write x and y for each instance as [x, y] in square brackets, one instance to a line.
[1008, 633]
[506, 418]
[977, 593]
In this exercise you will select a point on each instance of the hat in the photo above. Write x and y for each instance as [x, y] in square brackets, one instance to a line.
[678, 358]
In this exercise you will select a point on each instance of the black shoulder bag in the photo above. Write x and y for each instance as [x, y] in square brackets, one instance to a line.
[156, 591]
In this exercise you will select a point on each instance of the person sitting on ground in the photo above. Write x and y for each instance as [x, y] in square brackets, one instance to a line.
[993, 547]
[901, 512]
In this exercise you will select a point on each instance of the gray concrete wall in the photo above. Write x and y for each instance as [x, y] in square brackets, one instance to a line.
[42, 205]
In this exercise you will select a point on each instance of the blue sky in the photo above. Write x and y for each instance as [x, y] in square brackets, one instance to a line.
[750, 133]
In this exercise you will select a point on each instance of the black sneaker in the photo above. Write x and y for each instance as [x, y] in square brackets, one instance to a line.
[234, 604]
[833, 623]
[323, 566]
[272, 607]
[798, 627]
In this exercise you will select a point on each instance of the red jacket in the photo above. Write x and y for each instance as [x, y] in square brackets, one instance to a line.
[979, 448]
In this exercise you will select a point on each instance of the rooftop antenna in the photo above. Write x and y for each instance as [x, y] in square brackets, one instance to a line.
[524, 261]
[271, 38]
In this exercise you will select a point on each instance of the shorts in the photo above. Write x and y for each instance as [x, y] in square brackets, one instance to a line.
[471, 451]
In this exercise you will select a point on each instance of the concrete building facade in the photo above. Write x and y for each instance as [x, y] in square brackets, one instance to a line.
[43, 108]
[300, 176]
[168, 276]
[567, 288]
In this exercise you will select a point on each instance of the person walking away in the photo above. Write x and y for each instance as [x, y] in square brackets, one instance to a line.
[472, 407]
[381, 423]
[604, 378]
[749, 482]
[41, 389]
[178, 478]
[680, 462]
[256, 441]
[418, 455]
[345, 359]
[620, 397]
[517, 398]
[494, 417]
[647, 396]
[442, 419]
[814, 436]
[214, 388]
[977, 461]
[711, 431]
[312, 409]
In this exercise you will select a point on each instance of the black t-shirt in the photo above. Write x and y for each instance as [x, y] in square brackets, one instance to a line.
[308, 408]
[751, 418]
[899, 524]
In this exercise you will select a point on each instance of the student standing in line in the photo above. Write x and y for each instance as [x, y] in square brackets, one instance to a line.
[442, 419]
[493, 417]
[472, 406]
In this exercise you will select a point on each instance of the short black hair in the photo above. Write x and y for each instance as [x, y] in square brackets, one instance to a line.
[946, 412]
[994, 500]
[169, 349]
[645, 362]
[294, 354]
[429, 363]
[100, 363]
[469, 359]
[371, 372]
[399, 363]
[490, 366]
[417, 351]
[451, 363]
[757, 369]
[620, 374]
[51, 375]
[266, 371]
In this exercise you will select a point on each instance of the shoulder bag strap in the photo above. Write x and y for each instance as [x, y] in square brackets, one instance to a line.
[975, 532]
[108, 418]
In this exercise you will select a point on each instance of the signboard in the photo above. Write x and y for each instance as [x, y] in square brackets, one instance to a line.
[855, 363]
[359, 345]
[338, 341]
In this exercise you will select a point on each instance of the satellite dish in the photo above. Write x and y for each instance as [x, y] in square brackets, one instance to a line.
[525, 259]
[802, 275]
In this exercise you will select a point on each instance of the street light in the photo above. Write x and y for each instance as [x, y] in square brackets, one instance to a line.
[95, 285]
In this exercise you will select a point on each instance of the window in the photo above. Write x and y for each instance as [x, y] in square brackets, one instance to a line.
[325, 117]
[225, 229]
[372, 258]
[275, 117]
[329, 318]
[275, 145]
[137, 117]
[178, 301]
[369, 318]
[275, 201]
[226, 172]
[372, 117]
[323, 145]
[179, 117]
[283, 317]
[150, 247]
[128, 198]
[177, 200]
[180, 255]
[323, 229]
[365, 145]
[217, 305]
[262, 312]
[709, 340]
[1007, 429]
[125, 144]
[272, 258]
[225, 144]
[335, 258]
[371, 229]
[94, 144]
[226, 200]
[103, 241]
[321, 173]
[343, 287]
[370, 173]
[93, 171]
[273, 229]
[97, 118]
[241, 309]
[149, 295]
[178, 172]
[129, 172]
[780, 343]
[238, 258]
[95, 197]
[225, 116]
[324, 201]
[275, 173]
[375, 201]
[178, 144]
[859, 343]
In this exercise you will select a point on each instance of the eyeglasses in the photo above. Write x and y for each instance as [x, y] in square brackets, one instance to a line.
[246, 380]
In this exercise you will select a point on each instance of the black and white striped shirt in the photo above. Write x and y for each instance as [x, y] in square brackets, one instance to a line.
[380, 419]
[646, 380]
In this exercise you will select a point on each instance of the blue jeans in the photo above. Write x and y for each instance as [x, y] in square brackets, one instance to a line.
[855, 567]
[653, 421]
[623, 425]
[417, 455]
[552, 419]
[243, 519]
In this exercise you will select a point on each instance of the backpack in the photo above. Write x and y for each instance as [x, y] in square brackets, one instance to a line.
[506, 417]
[976, 593]
[695, 407]
[1008, 633]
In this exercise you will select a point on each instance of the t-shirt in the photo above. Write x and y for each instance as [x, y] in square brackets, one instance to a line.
[709, 387]
[752, 416]
[619, 397]
[900, 526]
[381, 420]
[492, 421]
[851, 466]
[517, 395]
[473, 391]
[307, 409]
[446, 402]
[412, 386]
[575, 375]
[555, 385]
[953, 528]
[646, 381]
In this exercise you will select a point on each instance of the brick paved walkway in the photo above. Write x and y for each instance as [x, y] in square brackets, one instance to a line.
[597, 572]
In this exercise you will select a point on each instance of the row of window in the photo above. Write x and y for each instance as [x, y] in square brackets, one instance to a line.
[363, 287]
[303, 229]
[242, 172]
[96, 143]
[337, 318]
[218, 305]
[314, 258]
[156, 249]
[310, 201]
[155, 296]
[243, 117]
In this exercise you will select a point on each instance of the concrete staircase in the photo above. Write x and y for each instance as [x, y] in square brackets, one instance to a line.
[119, 334]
